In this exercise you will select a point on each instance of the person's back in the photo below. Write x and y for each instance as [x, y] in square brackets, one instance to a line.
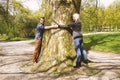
[76, 27]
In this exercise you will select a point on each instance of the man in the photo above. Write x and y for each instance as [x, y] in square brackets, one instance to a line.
[78, 39]
[38, 38]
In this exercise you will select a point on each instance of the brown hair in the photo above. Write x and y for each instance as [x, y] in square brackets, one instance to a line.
[42, 17]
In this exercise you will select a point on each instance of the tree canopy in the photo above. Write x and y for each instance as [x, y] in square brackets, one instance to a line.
[18, 21]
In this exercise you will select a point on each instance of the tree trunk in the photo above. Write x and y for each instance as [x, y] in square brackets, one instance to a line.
[57, 52]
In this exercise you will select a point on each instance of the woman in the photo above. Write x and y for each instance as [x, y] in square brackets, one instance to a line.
[78, 39]
[38, 37]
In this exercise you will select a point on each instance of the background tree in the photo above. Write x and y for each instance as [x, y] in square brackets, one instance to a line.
[16, 20]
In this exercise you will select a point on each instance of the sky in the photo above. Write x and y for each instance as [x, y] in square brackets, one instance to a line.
[35, 4]
[106, 3]
[32, 4]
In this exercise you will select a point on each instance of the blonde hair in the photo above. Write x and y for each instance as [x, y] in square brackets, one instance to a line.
[76, 16]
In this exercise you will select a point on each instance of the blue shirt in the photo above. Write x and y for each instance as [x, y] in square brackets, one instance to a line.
[39, 30]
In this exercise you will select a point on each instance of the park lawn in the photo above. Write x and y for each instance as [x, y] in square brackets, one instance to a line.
[108, 42]
[7, 38]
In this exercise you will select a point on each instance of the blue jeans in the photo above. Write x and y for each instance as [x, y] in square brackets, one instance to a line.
[79, 48]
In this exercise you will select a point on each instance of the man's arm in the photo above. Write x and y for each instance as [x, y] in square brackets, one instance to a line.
[51, 27]
[62, 26]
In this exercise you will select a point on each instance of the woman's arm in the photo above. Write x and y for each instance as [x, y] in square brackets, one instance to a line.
[65, 26]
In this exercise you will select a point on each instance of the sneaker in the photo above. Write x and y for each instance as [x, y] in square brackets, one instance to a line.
[86, 62]
[78, 65]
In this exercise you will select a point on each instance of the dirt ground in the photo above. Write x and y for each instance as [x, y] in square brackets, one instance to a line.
[15, 56]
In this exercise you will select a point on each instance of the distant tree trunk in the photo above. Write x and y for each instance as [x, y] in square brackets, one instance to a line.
[7, 7]
[58, 52]
[77, 4]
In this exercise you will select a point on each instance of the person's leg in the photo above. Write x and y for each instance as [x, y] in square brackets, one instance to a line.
[36, 51]
[78, 53]
[83, 52]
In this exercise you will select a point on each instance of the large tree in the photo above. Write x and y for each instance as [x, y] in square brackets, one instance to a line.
[57, 49]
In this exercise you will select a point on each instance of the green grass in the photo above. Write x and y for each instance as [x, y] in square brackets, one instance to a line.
[7, 38]
[19, 39]
[108, 42]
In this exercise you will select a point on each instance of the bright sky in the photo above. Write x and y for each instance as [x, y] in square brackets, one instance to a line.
[106, 3]
[32, 4]
[35, 4]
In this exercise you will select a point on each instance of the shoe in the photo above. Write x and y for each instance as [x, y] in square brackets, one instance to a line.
[78, 65]
[34, 61]
[86, 62]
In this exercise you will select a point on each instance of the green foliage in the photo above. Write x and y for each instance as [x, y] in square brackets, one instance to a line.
[103, 42]
[4, 37]
[19, 39]
[97, 17]
[21, 22]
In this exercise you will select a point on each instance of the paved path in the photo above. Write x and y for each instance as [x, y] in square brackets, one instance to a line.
[16, 55]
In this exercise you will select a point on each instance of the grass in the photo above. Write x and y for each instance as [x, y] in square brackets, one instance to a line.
[108, 42]
[7, 38]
